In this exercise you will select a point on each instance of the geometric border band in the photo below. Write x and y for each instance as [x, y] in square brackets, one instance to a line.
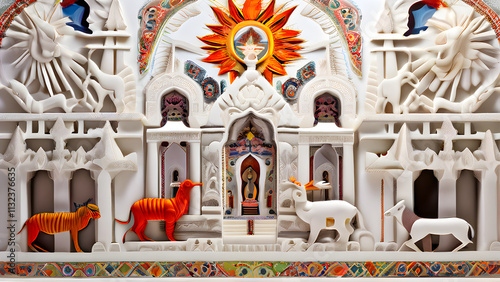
[255, 269]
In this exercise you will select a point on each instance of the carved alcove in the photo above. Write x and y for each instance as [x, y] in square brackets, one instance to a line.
[342, 92]
[82, 189]
[327, 109]
[250, 161]
[327, 167]
[168, 84]
[173, 168]
[174, 107]
[41, 198]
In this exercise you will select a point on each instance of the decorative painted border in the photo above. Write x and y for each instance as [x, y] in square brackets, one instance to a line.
[6, 18]
[347, 17]
[255, 269]
[153, 17]
[485, 10]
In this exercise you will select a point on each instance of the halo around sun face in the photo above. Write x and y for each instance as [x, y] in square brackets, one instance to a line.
[252, 30]
[251, 37]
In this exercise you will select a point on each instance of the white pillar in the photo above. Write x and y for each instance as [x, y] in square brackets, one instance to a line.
[22, 208]
[195, 176]
[447, 205]
[152, 179]
[104, 200]
[487, 226]
[4, 216]
[389, 222]
[404, 192]
[348, 174]
[62, 241]
[447, 202]
[303, 161]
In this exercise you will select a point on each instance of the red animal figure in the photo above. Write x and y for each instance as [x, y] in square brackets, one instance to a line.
[52, 223]
[169, 210]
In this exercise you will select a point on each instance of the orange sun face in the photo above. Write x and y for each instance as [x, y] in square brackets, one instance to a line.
[252, 30]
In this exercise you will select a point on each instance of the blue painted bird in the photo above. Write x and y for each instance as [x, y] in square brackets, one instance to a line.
[78, 11]
[420, 12]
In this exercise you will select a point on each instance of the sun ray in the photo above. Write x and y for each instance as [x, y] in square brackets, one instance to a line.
[39, 74]
[281, 19]
[46, 79]
[61, 75]
[251, 9]
[21, 59]
[235, 12]
[53, 77]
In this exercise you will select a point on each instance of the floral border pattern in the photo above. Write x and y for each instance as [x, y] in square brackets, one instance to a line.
[255, 269]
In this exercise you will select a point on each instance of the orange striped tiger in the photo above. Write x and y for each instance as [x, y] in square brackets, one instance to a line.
[52, 223]
[169, 210]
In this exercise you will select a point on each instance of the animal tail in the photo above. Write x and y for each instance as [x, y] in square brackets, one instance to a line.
[24, 225]
[125, 222]
[40, 248]
[123, 240]
[471, 230]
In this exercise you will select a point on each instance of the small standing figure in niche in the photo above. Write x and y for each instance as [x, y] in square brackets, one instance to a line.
[175, 183]
[269, 199]
[52, 223]
[169, 210]
[230, 202]
[250, 190]
[78, 12]
[326, 179]
[250, 186]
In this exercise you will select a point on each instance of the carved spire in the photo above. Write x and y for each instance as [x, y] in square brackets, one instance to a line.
[488, 151]
[448, 132]
[115, 18]
[108, 155]
[16, 151]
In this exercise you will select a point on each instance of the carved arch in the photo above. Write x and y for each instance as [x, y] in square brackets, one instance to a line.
[334, 86]
[165, 83]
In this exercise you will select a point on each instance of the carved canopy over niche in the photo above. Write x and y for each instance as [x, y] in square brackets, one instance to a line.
[166, 83]
[338, 88]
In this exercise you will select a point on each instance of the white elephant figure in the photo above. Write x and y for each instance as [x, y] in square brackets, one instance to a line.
[331, 215]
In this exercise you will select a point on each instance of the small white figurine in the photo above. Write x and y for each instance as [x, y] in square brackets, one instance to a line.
[419, 228]
[330, 215]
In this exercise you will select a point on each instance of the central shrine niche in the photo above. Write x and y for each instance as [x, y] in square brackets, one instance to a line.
[250, 170]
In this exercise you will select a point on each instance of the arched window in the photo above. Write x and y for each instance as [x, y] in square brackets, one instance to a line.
[175, 176]
[174, 106]
[326, 109]
[173, 167]
[175, 180]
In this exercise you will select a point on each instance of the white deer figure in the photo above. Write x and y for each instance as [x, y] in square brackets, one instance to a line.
[419, 228]
[332, 215]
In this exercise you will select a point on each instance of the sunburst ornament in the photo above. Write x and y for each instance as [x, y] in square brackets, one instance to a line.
[252, 30]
